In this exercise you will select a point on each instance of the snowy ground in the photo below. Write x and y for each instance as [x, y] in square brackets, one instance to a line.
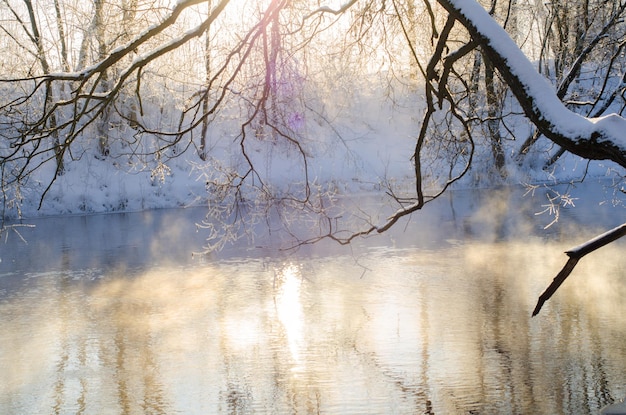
[355, 147]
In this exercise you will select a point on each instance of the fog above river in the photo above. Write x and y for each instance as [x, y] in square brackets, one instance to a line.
[158, 237]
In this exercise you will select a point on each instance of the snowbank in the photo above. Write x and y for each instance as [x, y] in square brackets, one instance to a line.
[360, 143]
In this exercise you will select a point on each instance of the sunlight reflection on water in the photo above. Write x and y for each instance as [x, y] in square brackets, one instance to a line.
[444, 329]
[289, 310]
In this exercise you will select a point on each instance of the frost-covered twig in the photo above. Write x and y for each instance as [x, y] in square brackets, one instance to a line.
[5, 230]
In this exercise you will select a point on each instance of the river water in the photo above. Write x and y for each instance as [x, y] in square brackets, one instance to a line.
[112, 314]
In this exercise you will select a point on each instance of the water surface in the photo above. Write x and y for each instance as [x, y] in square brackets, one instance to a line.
[111, 314]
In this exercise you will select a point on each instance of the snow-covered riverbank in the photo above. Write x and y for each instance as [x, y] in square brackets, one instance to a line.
[364, 159]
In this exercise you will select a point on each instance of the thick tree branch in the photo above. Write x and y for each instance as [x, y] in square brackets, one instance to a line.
[591, 138]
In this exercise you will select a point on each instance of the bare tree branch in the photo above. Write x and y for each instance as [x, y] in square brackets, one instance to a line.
[575, 254]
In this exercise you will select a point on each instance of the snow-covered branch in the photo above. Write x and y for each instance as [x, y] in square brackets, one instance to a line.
[327, 9]
[600, 138]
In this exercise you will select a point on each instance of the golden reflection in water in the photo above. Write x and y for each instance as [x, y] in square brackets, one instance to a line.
[289, 310]
[446, 331]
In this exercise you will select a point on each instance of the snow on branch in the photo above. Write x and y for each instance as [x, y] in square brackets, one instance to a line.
[327, 9]
[602, 138]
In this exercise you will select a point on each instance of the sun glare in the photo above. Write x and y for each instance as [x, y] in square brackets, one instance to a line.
[289, 309]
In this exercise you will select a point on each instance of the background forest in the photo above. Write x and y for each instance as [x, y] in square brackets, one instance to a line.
[269, 107]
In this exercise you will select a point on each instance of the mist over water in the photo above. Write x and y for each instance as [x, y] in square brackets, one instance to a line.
[112, 314]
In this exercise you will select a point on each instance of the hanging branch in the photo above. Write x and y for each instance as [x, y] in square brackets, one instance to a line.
[575, 254]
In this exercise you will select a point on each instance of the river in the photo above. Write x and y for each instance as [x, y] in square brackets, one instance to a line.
[112, 314]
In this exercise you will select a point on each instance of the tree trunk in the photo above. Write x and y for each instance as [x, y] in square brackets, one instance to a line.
[102, 127]
[205, 100]
[493, 118]
[59, 20]
[59, 148]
